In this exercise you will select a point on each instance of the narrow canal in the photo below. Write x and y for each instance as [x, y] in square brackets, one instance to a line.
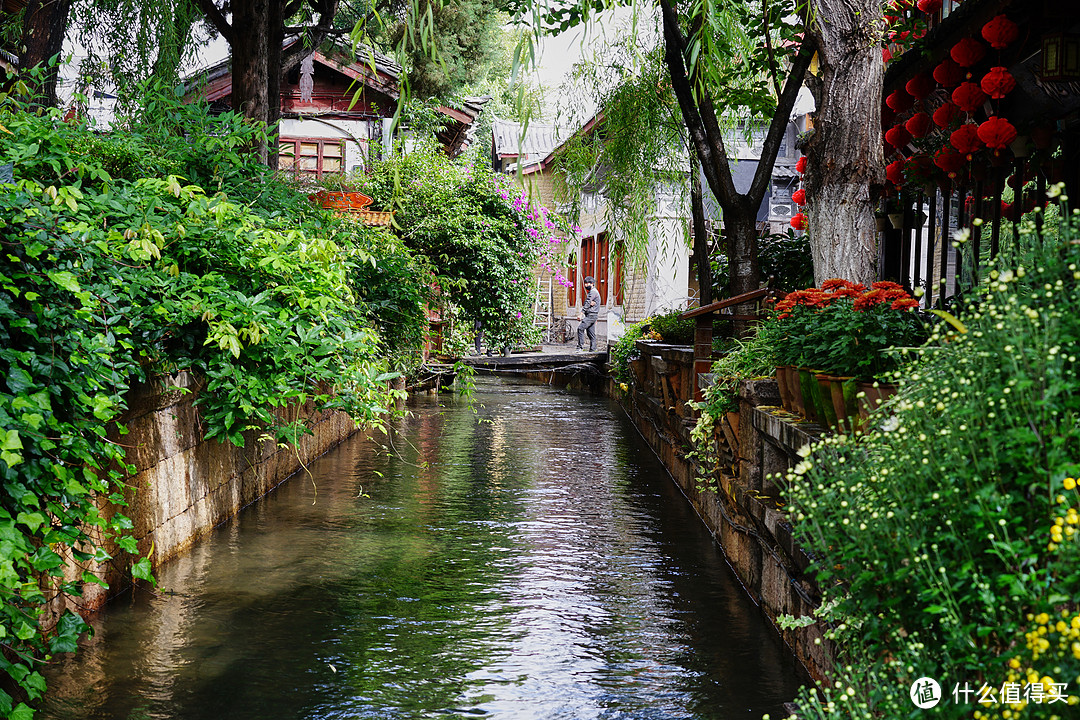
[528, 558]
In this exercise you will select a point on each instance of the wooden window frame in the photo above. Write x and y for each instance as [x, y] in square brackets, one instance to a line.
[321, 144]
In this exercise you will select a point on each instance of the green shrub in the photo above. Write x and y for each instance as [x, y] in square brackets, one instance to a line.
[672, 329]
[947, 536]
[106, 280]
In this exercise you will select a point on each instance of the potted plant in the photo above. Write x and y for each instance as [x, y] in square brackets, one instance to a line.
[840, 335]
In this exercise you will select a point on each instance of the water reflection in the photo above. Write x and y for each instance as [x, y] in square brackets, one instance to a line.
[528, 560]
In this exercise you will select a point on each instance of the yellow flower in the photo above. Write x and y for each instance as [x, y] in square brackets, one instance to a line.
[1070, 483]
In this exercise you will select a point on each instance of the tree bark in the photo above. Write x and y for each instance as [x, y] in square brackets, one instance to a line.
[44, 26]
[701, 239]
[845, 153]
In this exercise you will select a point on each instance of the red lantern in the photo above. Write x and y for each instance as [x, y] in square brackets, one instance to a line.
[968, 97]
[919, 86]
[997, 133]
[948, 73]
[1000, 31]
[886, 55]
[949, 161]
[967, 52]
[918, 125]
[998, 83]
[800, 165]
[929, 6]
[966, 139]
[945, 114]
[894, 172]
[799, 222]
[897, 136]
[799, 197]
[900, 101]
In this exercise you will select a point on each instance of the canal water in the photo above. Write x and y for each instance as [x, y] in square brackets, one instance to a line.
[527, 557]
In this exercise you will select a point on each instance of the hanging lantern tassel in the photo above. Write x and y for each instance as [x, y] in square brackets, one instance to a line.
[1000, 32]
[998, 83]
[997, 133]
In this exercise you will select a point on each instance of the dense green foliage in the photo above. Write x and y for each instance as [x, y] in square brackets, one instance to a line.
[481, 235]
[947, 537]
[117, 267]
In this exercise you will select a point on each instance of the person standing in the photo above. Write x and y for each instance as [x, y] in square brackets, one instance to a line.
[590, 311]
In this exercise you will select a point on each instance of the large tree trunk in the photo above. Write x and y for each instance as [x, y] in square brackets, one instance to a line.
[44, 26]
[845, 153]
[250, 78]
[701, 239]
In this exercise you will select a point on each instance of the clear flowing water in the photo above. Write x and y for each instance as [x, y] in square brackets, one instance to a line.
[528, 560]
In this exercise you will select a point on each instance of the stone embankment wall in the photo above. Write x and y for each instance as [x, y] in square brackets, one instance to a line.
[739, 503]
[184, 485]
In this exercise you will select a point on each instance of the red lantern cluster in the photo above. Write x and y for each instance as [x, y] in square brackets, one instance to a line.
[918, 125]
[920, 86]
[997, 133]
[945, 114]
[997, 83]
[967, 52]
[949, 160]
[969, 97]
[966, 139]
[894, 172]
[1000, 32]
[900, 101]
[948, 73]
[897, 136]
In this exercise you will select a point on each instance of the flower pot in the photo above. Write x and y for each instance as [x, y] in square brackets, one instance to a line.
[824, 400]
[881, 223]
[874, 394]
[782, 380]
[811, 395]
[896, 220]
[842, 391]
[798, 400]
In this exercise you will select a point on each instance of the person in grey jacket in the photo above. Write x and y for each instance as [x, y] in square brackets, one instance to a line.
[590, 311]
